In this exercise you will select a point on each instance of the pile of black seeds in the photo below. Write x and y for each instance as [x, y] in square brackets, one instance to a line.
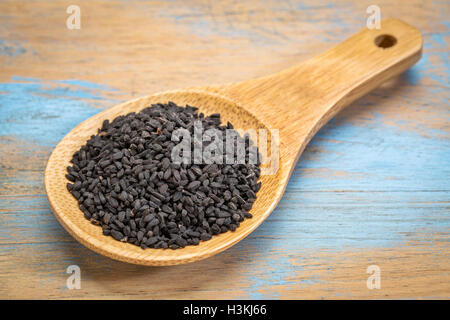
[124, 181]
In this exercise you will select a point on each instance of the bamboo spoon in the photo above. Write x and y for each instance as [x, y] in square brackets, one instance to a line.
[297, 101]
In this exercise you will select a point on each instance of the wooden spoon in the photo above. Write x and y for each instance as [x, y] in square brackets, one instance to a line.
[297, 102]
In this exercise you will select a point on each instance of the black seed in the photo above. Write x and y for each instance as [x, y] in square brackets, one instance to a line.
[70, 177]
[167, 174]
[117, 235]
[176, 174]
[76, 186]
[205, 236]
[87, 215]
[193, 185]
[117, 156]
[125, 181]
[113, 202]
[107, 218]
[177, 196]
[193, 233]
[232, 206]
[223, 214]
[151, 241]
[165, 163]
[163, 188]
[149, 217]
[180, 241]
[153, 223]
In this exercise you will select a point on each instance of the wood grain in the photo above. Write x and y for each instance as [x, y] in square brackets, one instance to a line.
[296, 102]
[370, 188]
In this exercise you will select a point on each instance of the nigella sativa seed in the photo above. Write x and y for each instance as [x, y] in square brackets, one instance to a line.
[125, 181]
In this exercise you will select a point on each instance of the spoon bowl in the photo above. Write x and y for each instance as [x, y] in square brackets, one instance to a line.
[66, 209]
[291, 106]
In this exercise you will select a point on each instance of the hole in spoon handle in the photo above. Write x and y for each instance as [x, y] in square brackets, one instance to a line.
[385, 41]
[346, 71]
[299, 100]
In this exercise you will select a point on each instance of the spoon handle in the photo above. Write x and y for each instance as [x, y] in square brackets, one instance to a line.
[298, 101]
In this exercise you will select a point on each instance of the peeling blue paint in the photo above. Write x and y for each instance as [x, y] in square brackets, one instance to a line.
[11, 48]
[271, 274]
[44, 111]
[391, 172]
[364, 185]
[434, 65]
[394, 183]
[439, 39]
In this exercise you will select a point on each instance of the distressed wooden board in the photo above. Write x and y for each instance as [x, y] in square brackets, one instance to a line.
[371, 188]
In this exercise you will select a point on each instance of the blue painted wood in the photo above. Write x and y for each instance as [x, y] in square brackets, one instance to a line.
[374, 179]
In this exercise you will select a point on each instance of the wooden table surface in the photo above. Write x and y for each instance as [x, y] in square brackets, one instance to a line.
[372, 188]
